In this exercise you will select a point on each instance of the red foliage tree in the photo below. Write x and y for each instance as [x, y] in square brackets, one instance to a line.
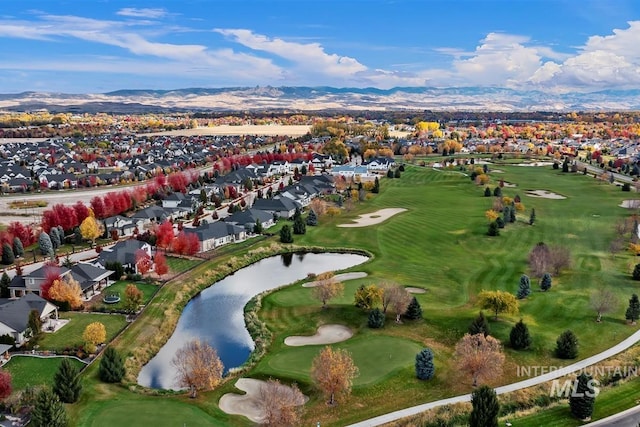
[143, 261]
[51, 274]
[82, 212]
[49, 220]
[22, 232]
[179, 244]
[161, 266]
[5, 384]
[178, 182]
[193, 244]
[97, 206]
[164, 234]
[66, 216]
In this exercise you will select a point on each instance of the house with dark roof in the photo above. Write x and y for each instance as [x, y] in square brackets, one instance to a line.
[32, 282]
[14, 315]
[281, 206]
[249, 217]
[219, 233]
[90, 277]
[125, 226]
[123, 252]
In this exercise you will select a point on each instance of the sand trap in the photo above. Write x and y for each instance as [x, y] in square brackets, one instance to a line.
[327, 334]
[535, 164]
[496, 171]
[245, 404]
[630, 204]
[339, 277]
[413, 290]
[509, 184]
[544, 194]
[374, 217]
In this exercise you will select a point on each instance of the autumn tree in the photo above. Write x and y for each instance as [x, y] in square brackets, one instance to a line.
[398, 299]
[5, 384]
[66, 382]
[333, 372]
[164, 234]
[197, 366]
[603, 301]
[498, 302]
[66, 290]
[48, 411]
[327, 287]
[94, 334]
[539, 259]
[132, 298]
[143, 261]
[485, 407]
[479, 356]
[281, 404]
[161, 267]
[111, 368]
[90, 229]
[367, 297]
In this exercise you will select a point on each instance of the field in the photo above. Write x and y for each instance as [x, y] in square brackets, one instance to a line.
[440, 244]
[33, 371]
[70, 335]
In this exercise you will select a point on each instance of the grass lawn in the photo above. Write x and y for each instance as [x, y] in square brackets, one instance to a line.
[179, 265]
[119, 287]
[31, 371]
[70, 335]
[440, 244]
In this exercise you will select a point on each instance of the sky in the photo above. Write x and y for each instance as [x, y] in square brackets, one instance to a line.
[97, 46]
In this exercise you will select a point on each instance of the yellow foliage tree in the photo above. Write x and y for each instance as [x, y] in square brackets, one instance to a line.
[498, 302]
[90, 229]
[66, 290]
[491, 215]
[333, 372]
[94, 334]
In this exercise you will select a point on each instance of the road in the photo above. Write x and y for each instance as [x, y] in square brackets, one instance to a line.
[407, 412]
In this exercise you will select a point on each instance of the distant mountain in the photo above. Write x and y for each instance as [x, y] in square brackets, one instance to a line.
[323, 98]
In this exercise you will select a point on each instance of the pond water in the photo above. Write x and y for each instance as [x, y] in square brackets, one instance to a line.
[216, 315]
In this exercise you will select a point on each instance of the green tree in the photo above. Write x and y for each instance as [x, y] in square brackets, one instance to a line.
[633, 311]
[299, 227]
[376, 319]
[5, 281]
[532, 217]
[487, 192]
[18, 249]
[512, 213]
[414, 311]
[636, 272]
[498, 302]
[397, 173]
[312, 218]
[48, 410]
[425, 369]
[285, 234]
[257, 228]
[376, 186]
[485, 407]
[7, 254]
[497, 192]
[111, 368]
[525, 287]
[581, 402]
[203, 196]
[44, 242]
[35, 323]
[506, 214]
[545, 282]
[66, 382]
[519, 336]
[54, 235]
[567, 345]
[494, 229]
[480, 325]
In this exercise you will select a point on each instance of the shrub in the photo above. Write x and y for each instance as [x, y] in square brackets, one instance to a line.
[376, 319]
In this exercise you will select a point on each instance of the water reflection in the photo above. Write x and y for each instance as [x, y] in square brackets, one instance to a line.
[217, 313]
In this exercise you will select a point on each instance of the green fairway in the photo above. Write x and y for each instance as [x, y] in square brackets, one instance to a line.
[32, 371]
[70, 335]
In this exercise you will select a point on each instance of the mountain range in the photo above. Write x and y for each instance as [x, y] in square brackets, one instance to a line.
[292, 99]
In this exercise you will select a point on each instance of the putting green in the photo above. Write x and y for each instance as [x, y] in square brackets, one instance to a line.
[376, 357]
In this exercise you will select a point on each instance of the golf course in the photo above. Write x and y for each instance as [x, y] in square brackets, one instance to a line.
[436, 241]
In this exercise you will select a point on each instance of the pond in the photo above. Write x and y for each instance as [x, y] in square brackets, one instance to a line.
[216, 315]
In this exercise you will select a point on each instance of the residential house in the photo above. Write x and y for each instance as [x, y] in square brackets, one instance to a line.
[90, 277]
[14, 315]
[379, 164]
[248, 218]
[125, 226]
[281, 206]
[123, 252]
[33, 281]
[217, 234]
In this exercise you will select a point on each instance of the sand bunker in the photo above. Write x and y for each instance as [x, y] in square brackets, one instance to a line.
[414, 290]
[339, 277]
[509, 184]
[630, 204]
[374, 217]
[544, 194]
[248, 404]
[535, 164]
[327, 334]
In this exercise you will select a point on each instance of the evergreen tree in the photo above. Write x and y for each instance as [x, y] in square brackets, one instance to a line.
[500, 222]
[487, 192]
[376, 319]
[48, 411]
[519, 336]
[414, 311]
[376, 186]
[633, 311]
[506, 214]
[525, 287]
[285, 234]
[565, 166]
[389, 173]
[203, 196]
[532, 217]
[55, 237]
[7, 254]
[299, 226]
[66, 382]
[396, 174]
[257, 227]
[44, 242]
[545, 282]
[111, 368]
[512, 213]
[18, 248]
[312, 218]
[485, 407]
[425, 368]
[494, 229]
[480, 325]
[636, 272]
[4, 285]
[567, 345]
[497, 192]
[77, 236]
[581, 402]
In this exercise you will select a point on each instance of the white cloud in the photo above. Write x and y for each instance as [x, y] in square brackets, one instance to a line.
[149, 13]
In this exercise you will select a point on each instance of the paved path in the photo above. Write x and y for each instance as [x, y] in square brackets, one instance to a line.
[628, 418]
[392, 416]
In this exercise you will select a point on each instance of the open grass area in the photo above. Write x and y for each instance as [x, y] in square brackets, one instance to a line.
[441, 245]
[70, 335]
[119, 287]
[32, 371]
[179, 265]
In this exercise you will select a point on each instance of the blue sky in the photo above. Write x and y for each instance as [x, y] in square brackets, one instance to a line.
[87, 46]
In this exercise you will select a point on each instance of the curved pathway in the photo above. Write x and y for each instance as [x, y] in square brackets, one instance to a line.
[402, 413]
